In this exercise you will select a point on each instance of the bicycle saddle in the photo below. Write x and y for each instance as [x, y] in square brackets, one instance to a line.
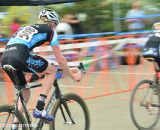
[9, 68]
[151, 59]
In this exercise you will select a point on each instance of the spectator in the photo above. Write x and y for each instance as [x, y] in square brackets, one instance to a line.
[74, 22]
[64, 28]
[15, 26]
[76, 29]
[134, 22]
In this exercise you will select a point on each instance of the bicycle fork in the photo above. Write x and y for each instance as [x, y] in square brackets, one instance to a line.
[64, 102]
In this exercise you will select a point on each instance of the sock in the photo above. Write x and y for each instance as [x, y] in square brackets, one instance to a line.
[41, 102]
[14, 126]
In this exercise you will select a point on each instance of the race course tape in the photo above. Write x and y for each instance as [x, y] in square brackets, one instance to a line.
[87, 35]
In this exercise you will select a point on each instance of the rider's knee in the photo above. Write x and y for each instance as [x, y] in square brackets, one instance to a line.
[26, 92]
[51, 69]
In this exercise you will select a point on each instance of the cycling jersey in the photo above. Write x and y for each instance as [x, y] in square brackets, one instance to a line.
[152, 48]
[34, 35]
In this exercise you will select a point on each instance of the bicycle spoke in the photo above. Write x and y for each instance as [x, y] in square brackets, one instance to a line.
[6, 121]
[75, 112]
[144, 98]
[72, 110]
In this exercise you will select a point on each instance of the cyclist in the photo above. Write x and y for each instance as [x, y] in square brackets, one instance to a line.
[151, 48]
[18, 54]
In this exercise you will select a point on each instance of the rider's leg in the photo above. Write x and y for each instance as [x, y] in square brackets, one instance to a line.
[26, 96]
[28, 77]
[46, 85]
[49, 79]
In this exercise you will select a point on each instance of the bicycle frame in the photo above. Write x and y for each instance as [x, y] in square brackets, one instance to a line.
[55, 95]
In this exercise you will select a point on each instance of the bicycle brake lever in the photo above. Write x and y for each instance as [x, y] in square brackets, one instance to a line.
[81, 67]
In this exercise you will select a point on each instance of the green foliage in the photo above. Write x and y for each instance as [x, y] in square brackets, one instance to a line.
[20, 12]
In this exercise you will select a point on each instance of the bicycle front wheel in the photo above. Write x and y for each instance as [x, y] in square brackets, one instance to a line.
[71, 113]
[7, 113]
[145, 105]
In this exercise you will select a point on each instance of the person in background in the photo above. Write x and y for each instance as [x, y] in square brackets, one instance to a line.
[76, 29]
[64, 28]
[133, 19]
[74, 22]
[15, 26]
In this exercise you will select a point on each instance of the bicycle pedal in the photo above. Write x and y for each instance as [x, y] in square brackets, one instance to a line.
[155, 93]
[46, 122]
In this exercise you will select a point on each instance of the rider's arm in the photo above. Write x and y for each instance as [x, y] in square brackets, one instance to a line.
[62, 61]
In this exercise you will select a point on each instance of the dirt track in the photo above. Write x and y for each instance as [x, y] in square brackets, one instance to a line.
[107, 95]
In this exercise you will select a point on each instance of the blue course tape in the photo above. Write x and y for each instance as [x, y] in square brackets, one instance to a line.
[4, 39]
[93, 34]
[75, 35]
[86, 35]
[136, 32]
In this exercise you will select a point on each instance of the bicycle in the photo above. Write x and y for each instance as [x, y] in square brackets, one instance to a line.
[59, 105]
[145, 101]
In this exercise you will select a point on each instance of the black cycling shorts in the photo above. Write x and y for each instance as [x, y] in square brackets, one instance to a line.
[19, 57]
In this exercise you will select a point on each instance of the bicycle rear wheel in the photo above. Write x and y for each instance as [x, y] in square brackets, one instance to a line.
[7, 113]
[78, 111]
[145, 105]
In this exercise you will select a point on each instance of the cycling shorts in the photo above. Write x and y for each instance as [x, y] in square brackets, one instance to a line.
[19, 57]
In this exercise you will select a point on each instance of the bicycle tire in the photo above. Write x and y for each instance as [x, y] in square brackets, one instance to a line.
[133, 99]
[20, 117]
[80, 102]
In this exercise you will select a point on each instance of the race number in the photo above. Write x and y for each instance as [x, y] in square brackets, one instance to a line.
[26, 33]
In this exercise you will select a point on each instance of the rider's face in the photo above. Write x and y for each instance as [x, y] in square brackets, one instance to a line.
[52, 24]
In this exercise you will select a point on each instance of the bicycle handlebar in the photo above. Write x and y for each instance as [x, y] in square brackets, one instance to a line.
[58, 75]
[80, 67]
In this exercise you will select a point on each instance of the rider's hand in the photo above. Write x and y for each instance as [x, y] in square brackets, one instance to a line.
[77, 75]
